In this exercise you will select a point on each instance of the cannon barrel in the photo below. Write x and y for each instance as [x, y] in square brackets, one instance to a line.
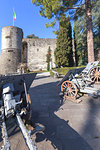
[11, 89]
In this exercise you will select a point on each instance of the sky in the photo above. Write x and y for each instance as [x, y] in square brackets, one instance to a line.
[27, 18]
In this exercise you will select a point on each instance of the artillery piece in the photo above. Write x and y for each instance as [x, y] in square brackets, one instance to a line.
[80, 81]
[14, 101]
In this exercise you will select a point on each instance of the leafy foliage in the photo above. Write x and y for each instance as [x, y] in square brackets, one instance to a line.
[77, 9]
[55, 8]
[80, 40]
[32, 36]
[48, 58]
[80, 36]
[63, 52]
[96, 23]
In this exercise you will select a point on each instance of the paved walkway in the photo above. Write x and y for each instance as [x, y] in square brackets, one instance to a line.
[69, 126]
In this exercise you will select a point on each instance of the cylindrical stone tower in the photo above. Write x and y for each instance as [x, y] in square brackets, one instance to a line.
[11, 45]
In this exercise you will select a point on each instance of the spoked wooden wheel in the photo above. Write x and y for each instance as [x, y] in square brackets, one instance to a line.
[94, 74]
[69, 89]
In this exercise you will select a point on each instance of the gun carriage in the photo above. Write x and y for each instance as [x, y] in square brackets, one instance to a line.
[15, 101]
[80, 80]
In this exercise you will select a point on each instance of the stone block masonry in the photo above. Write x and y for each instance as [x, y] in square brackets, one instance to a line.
[36, 52]
[11, 45]
[16, 51]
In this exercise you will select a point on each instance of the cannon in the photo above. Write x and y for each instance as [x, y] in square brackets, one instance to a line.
[91, 73]
[15, 102]
[80, 80]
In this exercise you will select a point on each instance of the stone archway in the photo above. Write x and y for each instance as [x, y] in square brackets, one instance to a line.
[24, 52]
[22, 67]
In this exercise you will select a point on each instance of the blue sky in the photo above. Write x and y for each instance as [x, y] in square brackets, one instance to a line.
[27, 18]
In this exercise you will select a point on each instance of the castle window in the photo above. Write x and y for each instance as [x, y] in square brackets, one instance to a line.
[33, 44]
[10, 50]
[8, 36]
[37, 49]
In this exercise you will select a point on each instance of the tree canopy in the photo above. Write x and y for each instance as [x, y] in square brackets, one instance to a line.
[48, 58]
[32, 36]
[55, 8]
[76, 8]
[80, 33]
[63, 52]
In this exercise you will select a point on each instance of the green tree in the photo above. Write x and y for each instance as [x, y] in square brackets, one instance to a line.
[75, 46]
[55, 8]
[63, 52]
[80, 33]
[32, 36]
[80, 41]
[96, 24]
[49, 59]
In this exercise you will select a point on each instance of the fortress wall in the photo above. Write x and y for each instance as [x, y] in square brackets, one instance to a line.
[16, 50]
[36, 53]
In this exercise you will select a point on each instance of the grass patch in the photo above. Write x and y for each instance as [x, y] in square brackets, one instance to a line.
[63, 71]
[37, 71]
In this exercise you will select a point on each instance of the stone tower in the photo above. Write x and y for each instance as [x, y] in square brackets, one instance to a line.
[11, 45]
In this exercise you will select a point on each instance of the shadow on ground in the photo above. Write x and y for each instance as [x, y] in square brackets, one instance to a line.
[58, 133]
[91, 128]
[61, 135]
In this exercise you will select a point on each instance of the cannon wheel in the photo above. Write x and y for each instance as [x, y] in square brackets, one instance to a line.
[69, 89]
[94, 74]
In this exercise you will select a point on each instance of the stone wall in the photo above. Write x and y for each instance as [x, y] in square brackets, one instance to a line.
[36, 53]
[31, 52]
[11, 45]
